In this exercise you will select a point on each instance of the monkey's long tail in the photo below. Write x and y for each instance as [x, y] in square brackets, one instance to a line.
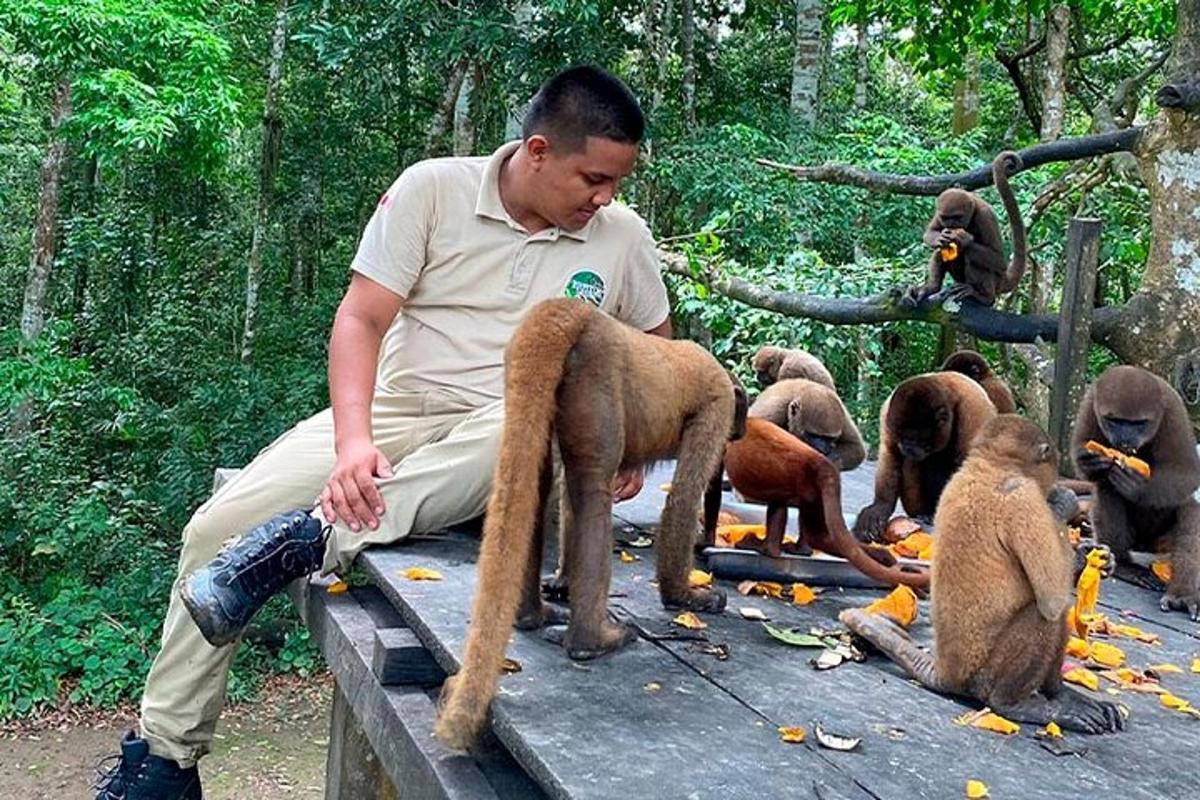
[534, 365]
[1005, 163]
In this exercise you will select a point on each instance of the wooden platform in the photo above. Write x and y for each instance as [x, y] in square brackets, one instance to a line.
[663, 719]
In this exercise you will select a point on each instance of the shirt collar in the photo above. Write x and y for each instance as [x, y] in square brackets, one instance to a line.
[489, 205]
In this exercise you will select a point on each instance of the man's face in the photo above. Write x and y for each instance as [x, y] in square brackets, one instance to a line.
[571, 187]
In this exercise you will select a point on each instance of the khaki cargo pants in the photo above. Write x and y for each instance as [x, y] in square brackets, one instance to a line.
[442, 451]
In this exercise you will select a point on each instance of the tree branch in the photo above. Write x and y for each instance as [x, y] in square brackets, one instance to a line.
[1112, 44]
[1012, 64]
[982, 321]
[1105, 114]
[1062, 150]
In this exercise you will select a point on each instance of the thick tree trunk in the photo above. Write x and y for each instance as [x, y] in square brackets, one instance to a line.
[1054, 89]
[806, 61]
[272, 137]
[466, 109]
[45, 231]
[862, 65]
[966, 97]
[687, 36]
[1185, 50]
[443, 117]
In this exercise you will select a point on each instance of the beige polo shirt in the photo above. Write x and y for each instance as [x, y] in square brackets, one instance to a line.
[440, 237]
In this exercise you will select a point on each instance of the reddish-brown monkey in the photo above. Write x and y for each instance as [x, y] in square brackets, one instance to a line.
[1001, 587]
[612, 397]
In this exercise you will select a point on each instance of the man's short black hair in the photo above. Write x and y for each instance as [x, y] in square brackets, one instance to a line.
[584, 101]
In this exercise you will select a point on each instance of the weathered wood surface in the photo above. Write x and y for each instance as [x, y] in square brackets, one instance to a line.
[603, 729]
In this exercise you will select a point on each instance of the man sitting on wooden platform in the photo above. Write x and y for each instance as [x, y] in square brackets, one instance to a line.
[457, 251]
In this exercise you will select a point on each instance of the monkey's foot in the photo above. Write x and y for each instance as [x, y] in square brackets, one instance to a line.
[581, 647]
[871, 523]
[1069, 709]
[555, 588]
[542, 616]
[705, 600]
[1139, 576]
[1189, 602]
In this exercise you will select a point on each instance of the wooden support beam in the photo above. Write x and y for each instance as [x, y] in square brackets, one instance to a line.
[1074, 331]
[401, 660]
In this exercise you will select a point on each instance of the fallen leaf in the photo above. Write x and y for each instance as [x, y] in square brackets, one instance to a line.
[1165, 669]
[698, 578]
[1107, 655]
[765, 588]
[338, 587]
[794, 735]
[1161, 570]
[985, 719]
[717, 651]
[900, 606]
[1082, 677]
[794, 638]
[626, 558]
[752, 613]
[1078, 648]
[640, 542]
[690, 621]
[421, 574]
[1052, 729]
[652, 686]
[833, 741]
[828, 659]
[510, 666]
[802, 595]
[976, 790]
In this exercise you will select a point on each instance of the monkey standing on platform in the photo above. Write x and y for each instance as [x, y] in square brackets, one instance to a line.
[1001, 587]
[975, 367]
[965, 235]
[613, 398]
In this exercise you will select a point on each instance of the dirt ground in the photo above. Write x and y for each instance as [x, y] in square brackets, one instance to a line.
[268, 750]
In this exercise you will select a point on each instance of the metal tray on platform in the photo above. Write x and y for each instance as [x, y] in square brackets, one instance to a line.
[821, 570]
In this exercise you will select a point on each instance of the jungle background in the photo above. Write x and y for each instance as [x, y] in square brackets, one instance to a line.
[183, 184]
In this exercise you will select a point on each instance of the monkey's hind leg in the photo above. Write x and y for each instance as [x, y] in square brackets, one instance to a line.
[895, 643]
[1184, 592]
[532, 613]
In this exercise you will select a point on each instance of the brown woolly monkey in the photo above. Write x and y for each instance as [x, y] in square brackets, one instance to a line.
[975, 367]
[926, 427]
[776, 364]
[780, 470]
[1138, 413]
[1001, 589]
[965, 235]
[814, 414]
[612, 397]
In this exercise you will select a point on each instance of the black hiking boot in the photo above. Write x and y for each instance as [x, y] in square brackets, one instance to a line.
[134, 774]
[225, 593]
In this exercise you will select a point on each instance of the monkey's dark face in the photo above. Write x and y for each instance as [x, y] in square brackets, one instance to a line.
[955, 208]
[766, 365]
[930, 434]
[570, 187]
[1128, 406]
[1127, 435]
[970, 364]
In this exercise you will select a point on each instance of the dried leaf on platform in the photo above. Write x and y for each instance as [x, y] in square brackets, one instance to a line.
[986, 719]
[802, 595]
[510, 666]
[794, 734]
[833, 741]
[794, 638]
[337, 587]
[626, 558]
[653, 686]
[421, 574]
[976, 790]
[1082, 677]
[690, 621]
[698, 578]
[752, 613]
[828, 659]
[900, 606]
[765, 588]
[718, 651]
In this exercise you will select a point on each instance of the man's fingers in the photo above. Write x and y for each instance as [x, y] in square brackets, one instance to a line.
[362, 512]
[372, 501]
[383, 467]
[326, 500]
[341, 509]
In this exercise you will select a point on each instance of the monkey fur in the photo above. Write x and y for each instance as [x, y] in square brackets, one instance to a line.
[975, 367]
[612, 397]
[926, 427]
[773, 364]
[1001, 589]
[770, 464]
[816, 415]
[965, 220]
[1134, 411]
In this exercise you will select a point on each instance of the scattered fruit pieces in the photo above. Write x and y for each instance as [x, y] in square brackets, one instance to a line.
[1082, 677]
[652, 686]
[1178, 704]
[793, 735]
[421, 574]
[765, 588]
[1078, 648]
[900, 606]
[698, 578]
[1133, 680]
[1196, 665]
[976, 789]
[690, 621]
[1161, 570]
[732, 535]
[986, 720]
[1128, 462]
[1107, 655]
[1087, 589]
[1165, 669]
[900, 528]
[802, 595]
[912, 545]
[338, 587]
[626, 558]
[1052, 729]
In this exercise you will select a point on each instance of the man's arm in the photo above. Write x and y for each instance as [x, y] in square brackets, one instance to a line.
[363, 317]
[628, 483]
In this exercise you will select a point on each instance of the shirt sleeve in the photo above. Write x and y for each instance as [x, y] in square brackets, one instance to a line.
[643, 302]
[392, 251]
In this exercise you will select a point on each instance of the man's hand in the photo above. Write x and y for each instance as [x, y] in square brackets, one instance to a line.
[351, 494]
[627, 483]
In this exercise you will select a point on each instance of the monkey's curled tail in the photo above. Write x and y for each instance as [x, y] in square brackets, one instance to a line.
[1003, 165]
[862, 561]
[534, 365]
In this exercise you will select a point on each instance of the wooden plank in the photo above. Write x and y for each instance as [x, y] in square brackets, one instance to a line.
[1074, 331]
[594, 730]
[401, 660]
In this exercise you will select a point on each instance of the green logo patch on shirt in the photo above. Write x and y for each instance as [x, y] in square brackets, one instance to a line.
[586, 285]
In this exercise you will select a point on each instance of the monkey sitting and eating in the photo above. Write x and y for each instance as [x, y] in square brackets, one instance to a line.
[975, 367]
[1001, 589]
[816, 415]
[775, 467]
[1139, 414]
[612, 397]
[965, 235]
[926, 427]
[773, 364]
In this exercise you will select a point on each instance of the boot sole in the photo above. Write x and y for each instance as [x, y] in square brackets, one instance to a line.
[203, 619]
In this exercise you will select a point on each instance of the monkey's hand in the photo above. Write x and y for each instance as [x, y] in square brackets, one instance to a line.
[913, 295]
[958, 236]
[1128, 483]
[1064, 503]
[1093, 465]
[871, 522]
[1081, 553]
[1176, 600]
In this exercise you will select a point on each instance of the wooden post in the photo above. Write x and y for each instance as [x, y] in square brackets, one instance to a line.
[1074, 331]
